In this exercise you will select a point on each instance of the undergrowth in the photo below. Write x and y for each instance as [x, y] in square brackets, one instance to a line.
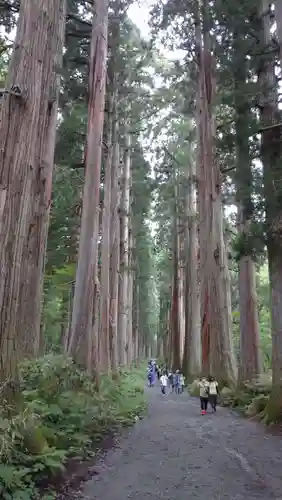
[62, 416]
[251, 399]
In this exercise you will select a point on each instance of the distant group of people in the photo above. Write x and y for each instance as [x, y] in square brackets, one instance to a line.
[209, 392]
[175, 381]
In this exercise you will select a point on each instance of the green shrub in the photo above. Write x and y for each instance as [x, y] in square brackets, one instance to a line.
[257, 406]
[252, 398]
[63, 416]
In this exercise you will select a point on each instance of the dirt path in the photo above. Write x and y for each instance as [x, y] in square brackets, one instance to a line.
[177, 454]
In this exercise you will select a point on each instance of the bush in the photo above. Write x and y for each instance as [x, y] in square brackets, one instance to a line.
[252, 398]
[257, 406]
[63, 416]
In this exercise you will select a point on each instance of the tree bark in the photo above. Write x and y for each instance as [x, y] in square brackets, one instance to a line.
[271, 157]
[136, 325]
[82, 316]
[114, 247]
[278, 18]
[175, 336]
[104, 332]
[27, 116]
[124, 253]
[181, 278]
[32, 271]
[217, 349]
[130, 350]
[250, 365]
[192, 346]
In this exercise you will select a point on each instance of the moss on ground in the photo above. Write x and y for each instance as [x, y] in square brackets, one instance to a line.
[63, 416]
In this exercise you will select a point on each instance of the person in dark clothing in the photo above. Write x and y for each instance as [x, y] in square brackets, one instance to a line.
[213, 393]
[177, 382]
[204, 395]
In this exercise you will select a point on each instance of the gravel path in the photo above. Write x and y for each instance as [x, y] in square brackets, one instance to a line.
[177, 454]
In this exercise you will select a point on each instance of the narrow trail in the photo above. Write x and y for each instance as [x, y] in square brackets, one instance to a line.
[177, 454]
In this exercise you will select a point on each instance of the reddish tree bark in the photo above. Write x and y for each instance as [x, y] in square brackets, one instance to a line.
[33, 263]
[192, 344]
[26, 149]
[217, 349]
[271, 153]
[82, 317]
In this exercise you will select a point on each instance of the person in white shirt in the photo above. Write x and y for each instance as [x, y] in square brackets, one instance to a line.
[213, 392]
[164, 382]
[182, 383]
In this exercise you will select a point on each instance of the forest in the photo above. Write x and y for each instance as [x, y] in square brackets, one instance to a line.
[140, 215]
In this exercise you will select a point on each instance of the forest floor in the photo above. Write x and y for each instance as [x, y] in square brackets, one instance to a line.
[176, 453]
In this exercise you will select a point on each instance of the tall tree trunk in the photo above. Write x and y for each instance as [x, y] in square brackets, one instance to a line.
[136, 323]
[278, 18]
[135, 303]
[192, 346]
[32, 269]
[271, 157]
[82, 316]
[130, 297]
[217, 349]
[181, 277]
[168, 349]
[175, 316]
[175, 335]
[250, 365]
[27, 115]
[114, 246]
[124, 253]
[104, 333]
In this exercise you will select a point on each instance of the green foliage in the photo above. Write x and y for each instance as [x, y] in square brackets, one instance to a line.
[251, 243]
[252, 398]
[63, 416]
[257, 406]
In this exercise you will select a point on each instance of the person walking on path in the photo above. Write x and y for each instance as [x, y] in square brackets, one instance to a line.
[177, 382]
[171, 380]
[164, 382]
[149, 377]
[204, 394]
[213, 393]
[182, 383]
